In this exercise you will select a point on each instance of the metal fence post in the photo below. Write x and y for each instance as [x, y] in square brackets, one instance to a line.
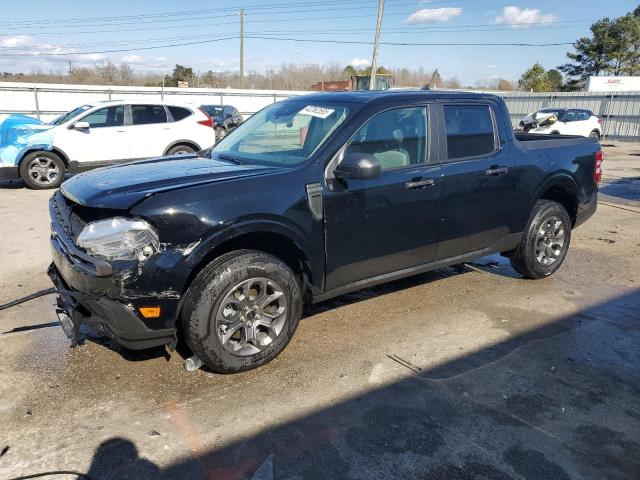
[35, 95]
[274, 98]
[221, 99]
[109, 92]
[606, 125]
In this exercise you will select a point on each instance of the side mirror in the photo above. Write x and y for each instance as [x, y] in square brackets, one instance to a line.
[81, 126]
[359, 166]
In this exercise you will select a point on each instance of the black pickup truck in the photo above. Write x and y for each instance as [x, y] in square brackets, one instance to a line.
[310, 198]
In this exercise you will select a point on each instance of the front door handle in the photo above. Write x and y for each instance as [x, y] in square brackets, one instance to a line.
[427, 182]
[496, 170]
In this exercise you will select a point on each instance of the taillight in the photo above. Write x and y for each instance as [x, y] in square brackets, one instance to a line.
[208, 122]
[600, 121]
[597, 168]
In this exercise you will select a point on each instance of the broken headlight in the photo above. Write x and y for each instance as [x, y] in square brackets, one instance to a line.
[119, 239]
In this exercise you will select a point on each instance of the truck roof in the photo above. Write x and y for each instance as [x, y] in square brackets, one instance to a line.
[382, 95]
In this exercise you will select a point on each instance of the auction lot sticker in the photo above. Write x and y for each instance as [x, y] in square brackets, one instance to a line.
[320, 112]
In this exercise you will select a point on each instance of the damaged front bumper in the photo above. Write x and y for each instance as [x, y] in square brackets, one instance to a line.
[111, 317]
[107, 296]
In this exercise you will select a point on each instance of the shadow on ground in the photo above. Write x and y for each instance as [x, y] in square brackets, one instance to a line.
[624, 188]
[558, 402]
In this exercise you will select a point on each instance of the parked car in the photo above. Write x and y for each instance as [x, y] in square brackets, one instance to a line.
[562, 121]
[225, 118]
[105, 133]
[310, 198]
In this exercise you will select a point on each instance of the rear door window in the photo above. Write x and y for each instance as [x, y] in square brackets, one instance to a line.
[148, 114]
[469, 131]
[106, 117]
[179, 113]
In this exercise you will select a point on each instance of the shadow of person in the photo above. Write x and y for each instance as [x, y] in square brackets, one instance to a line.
[117, 458]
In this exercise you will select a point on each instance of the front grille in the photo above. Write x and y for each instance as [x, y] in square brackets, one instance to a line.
[67, 216]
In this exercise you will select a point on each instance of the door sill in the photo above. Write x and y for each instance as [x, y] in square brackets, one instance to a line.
[507, 243]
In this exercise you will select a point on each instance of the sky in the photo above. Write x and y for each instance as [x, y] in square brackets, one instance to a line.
[88, 32]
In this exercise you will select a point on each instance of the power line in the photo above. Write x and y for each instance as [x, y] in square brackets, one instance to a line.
[305, 40]
[426, 44]
[191, 13]
[55, 54]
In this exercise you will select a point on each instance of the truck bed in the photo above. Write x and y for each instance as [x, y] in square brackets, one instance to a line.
[535, 141]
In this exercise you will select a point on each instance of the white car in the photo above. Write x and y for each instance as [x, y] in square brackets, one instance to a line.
[105, 133]
[563, 121]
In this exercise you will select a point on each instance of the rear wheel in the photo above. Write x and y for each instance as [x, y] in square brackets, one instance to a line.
[545, 242]
[595, 134]
[181, 149]
[41, 170]
[241, 311]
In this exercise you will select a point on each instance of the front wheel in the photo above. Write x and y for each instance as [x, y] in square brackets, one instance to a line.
[545, 242]
[241, 311]
[41, 170]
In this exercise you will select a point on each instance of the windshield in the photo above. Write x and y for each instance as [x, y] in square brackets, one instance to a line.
[283, 134]
[213, 110]
[69, 115]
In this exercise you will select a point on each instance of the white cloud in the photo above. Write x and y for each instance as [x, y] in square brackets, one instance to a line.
[434, 15]
[522, 18]
[133, 59]
[16, 41]
[491, 66]
[360, 62]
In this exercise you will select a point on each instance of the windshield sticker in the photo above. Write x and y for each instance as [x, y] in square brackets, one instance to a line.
[319, 112]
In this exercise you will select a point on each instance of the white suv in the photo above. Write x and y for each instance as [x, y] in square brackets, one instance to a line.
[104, 133]
[563, 121]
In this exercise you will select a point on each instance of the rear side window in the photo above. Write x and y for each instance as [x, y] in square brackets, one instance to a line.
[178, 113]
[469, 130]
[106, 117]
[146, 114]
[583, 115]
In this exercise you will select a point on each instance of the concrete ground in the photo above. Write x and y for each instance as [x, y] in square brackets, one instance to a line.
[463, 373]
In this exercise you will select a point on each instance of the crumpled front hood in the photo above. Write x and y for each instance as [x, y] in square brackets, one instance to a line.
[121, 186]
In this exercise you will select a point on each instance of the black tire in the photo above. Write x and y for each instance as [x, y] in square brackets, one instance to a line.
[219, 283]
[34, 167]
[528, 259]
[595, 134]
[181, 149]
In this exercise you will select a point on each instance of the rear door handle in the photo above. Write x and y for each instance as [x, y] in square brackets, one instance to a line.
[496, 170]
[427, 182]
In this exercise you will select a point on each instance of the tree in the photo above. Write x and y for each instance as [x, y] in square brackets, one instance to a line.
[554, 77]
[126, 73]
[504, 85]
[535, 79]
[180, 74]
[613, 48]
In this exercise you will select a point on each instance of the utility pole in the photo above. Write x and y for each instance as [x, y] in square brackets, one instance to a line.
[242, 48]
[374, 62]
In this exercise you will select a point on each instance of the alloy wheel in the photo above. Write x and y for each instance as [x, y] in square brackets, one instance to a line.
[550, 241]
[251, 316]
[43, 171]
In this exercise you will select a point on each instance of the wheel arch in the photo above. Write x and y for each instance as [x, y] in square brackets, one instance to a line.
[190, 143]
[63, 156]
[562, 189]
[274, 239]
